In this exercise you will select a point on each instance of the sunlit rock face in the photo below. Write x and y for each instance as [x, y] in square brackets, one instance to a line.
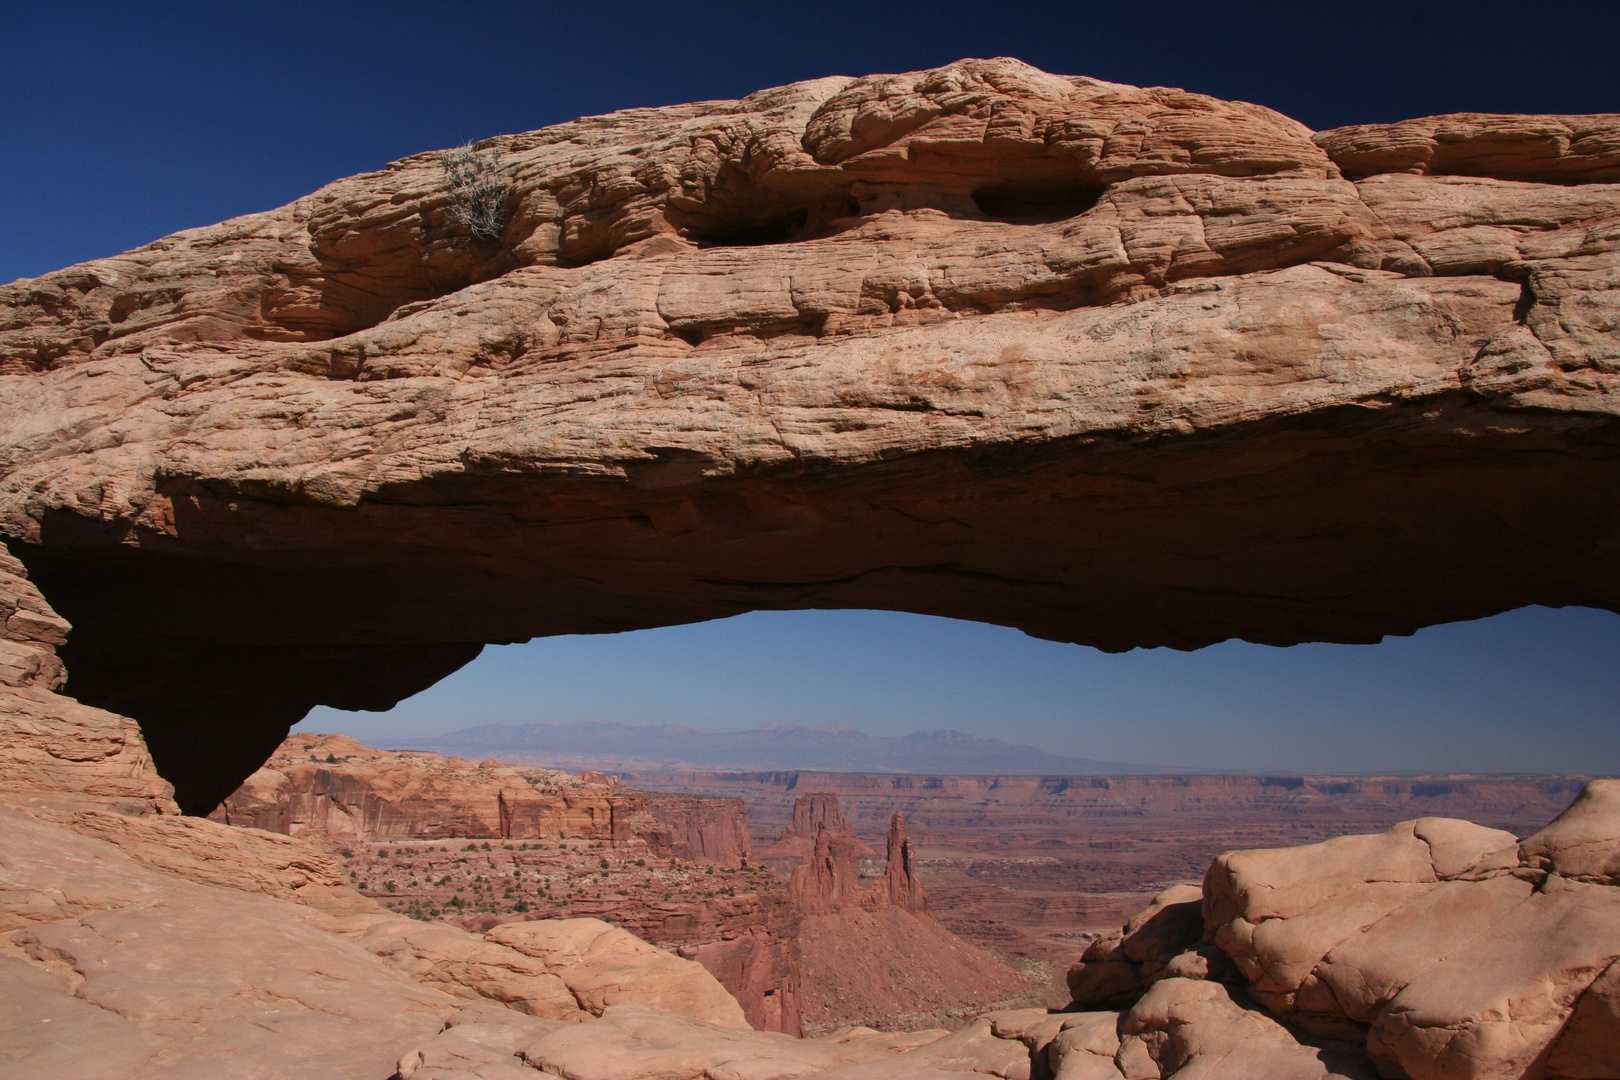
[1118, 366]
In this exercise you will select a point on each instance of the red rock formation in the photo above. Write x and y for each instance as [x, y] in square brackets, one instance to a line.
[55, 751]
[872, 954]
[703, 828]
[900, 885]
[1118, 366]
[334, 787]
[812, 813]
[827, 877]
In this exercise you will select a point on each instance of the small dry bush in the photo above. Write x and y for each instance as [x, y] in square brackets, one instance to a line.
[477, 192]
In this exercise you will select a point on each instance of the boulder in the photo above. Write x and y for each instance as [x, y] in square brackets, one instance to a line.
[1195, 1030]
[1116, 968]
[602, 966]
[1452, 949]
[1583, 844]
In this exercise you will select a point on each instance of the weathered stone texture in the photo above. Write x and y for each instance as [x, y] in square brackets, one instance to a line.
[54, 751]
[1113, 365]
[334, 787]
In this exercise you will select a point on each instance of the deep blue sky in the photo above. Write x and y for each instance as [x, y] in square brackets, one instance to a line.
[124, 121]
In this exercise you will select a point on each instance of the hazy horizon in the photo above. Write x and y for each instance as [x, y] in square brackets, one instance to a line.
[1529, 691]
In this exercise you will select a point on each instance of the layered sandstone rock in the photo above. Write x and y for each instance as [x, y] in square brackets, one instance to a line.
[1114, 365]
[703, 829]
[331, 786]
[182, 948]
[53, 750]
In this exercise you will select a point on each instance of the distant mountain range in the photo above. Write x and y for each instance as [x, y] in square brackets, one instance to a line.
[832, 748]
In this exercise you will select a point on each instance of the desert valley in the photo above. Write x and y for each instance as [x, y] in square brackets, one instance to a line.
[1025, 872]
[1116, 366]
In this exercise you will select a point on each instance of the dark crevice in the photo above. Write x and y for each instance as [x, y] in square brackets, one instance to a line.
[807, 325]
[713, 226]
[737, 211]
[773, 230]
[1036, 203]
[1526, 301]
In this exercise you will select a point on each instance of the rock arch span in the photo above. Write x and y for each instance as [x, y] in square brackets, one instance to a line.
[1118, 366]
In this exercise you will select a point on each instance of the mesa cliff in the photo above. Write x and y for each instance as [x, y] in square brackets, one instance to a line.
[333, 787]
[1119, 366]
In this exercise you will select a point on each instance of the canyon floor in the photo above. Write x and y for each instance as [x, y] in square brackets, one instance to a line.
[1031, 869]
[1037, 868]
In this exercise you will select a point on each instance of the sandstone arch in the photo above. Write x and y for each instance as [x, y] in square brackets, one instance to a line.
[1115, 366]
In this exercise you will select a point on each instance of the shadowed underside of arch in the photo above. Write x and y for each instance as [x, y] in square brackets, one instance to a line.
[1114, 366]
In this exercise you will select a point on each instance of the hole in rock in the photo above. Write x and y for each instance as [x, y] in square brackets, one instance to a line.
[713, 226]
[1036, 202]
[772, 230]
[738, 212]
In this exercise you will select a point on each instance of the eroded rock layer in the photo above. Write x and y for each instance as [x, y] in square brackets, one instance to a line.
[332, 787]
[1119, 366]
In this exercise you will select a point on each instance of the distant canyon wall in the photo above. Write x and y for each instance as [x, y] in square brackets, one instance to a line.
[823, 949]
[1031, 803]
[333, 786]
